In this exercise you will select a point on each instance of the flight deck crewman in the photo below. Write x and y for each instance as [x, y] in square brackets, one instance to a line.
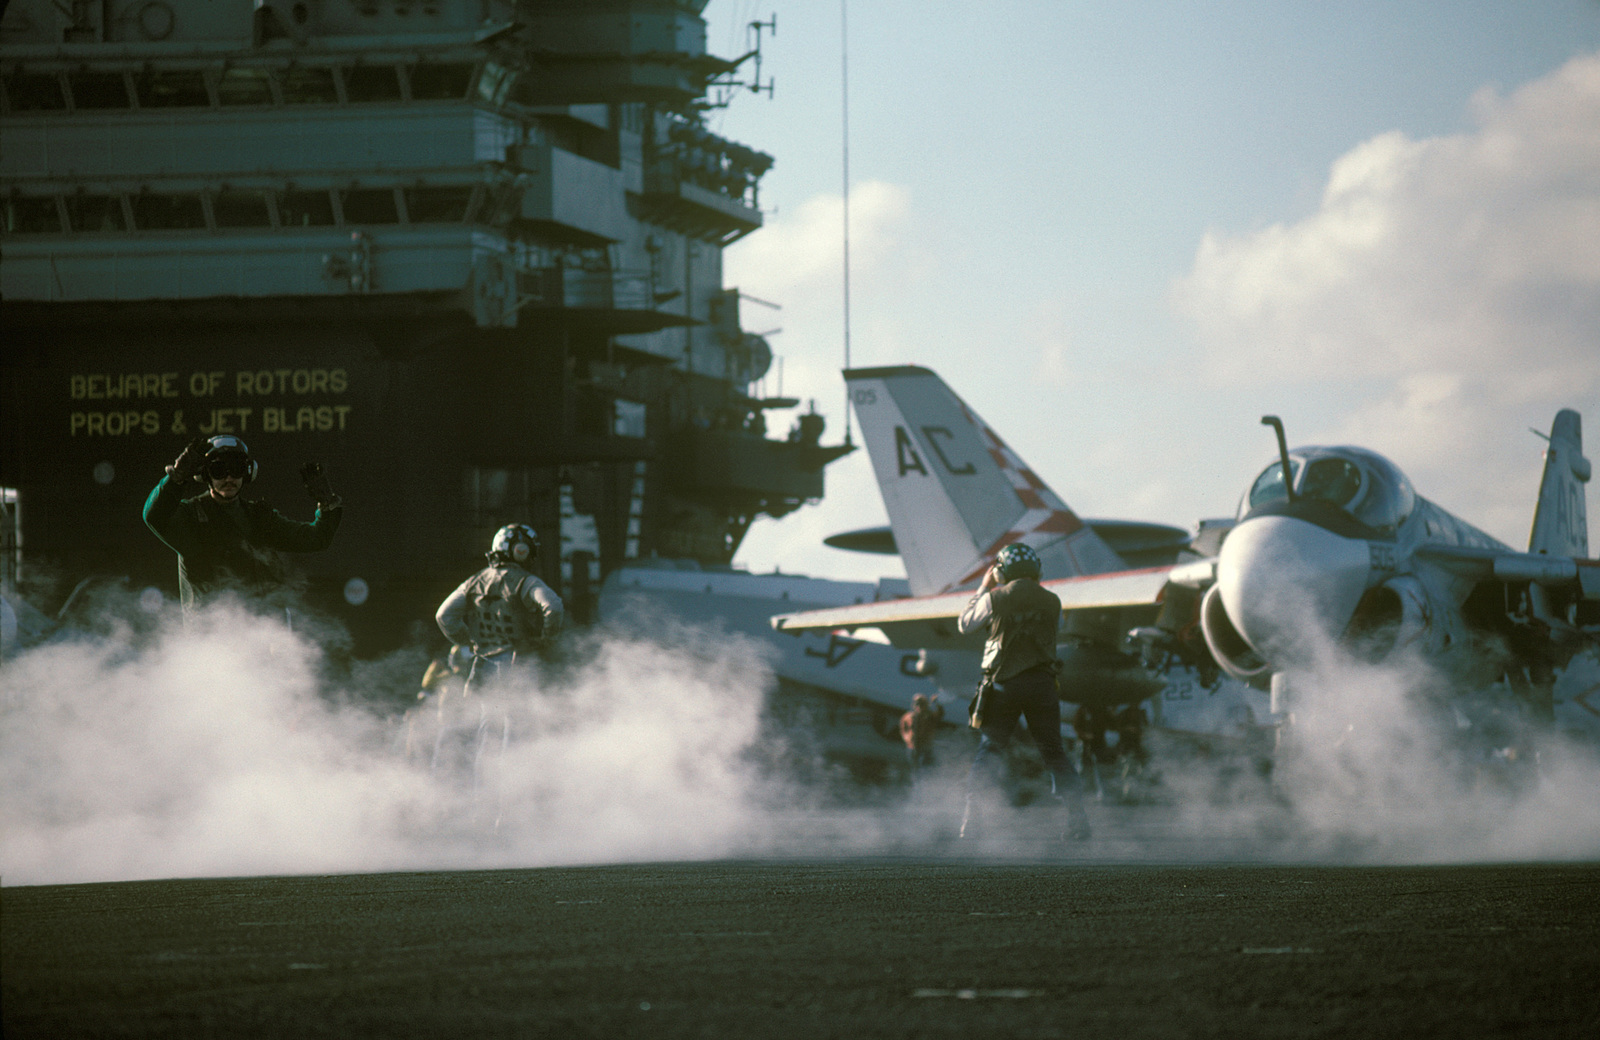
[917, 729]
[503, 612]
[1019, 659]
[223, 541]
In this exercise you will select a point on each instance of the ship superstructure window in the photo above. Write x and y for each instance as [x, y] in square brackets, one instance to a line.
[492, 496]
[440, 81]
[370, 206]
[173, 88]
[168, 212]
[305, 209]
[96, 213]
[496, 83]
[581, 137]
[35, 92]
[628, 418]
[240, 209]
[245, 86]
[309, 85]
[92, 89]
[438, 205]
[35, 215]
[368, 83]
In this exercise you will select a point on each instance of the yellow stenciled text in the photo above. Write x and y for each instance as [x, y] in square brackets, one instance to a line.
[267, 382]
[98, 386]
[305, 419]
[114, 424]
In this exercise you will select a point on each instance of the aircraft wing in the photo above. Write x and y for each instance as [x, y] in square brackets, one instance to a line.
[1539, 568]
[929, 622]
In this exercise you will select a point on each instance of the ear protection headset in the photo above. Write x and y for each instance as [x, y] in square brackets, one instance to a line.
[224, 445]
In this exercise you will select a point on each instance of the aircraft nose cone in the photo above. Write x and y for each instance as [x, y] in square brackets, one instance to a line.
[1289, 586]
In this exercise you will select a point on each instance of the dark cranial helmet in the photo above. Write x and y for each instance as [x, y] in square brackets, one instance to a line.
[514, 543]
[227, 455]
[1018, 561]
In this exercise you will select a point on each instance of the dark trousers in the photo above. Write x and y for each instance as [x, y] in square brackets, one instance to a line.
[1031, 695]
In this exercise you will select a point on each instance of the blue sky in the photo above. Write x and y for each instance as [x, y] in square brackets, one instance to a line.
[1124, 232]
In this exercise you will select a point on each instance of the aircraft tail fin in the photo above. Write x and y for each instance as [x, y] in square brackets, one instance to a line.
[1560, 521]
[955, 494]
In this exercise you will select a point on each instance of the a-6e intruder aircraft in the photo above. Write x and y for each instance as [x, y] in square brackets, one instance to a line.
[956, 495]
[1342, 553]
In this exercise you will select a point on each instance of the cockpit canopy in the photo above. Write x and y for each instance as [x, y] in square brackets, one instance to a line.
[1365, 485]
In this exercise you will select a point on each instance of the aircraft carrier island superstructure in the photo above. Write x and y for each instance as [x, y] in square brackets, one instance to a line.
[467, 253]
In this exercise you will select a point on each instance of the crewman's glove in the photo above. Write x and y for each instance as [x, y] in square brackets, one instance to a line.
[190, 463]
[316, 482]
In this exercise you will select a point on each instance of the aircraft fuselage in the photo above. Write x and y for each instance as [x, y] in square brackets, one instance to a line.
[1358, 563]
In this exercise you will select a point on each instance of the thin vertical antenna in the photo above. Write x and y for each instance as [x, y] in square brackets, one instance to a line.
[844, 130]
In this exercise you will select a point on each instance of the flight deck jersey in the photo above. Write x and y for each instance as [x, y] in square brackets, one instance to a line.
[1023, 618]
[230, 544]
[501, 606]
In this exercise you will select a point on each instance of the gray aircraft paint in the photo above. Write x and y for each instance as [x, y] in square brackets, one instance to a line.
[1561, 522]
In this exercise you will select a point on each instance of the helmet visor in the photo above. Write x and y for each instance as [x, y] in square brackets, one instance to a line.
[228, 466]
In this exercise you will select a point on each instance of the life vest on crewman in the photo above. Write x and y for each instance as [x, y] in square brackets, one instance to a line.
[1022, 629]
[497, 615]
[503, 606]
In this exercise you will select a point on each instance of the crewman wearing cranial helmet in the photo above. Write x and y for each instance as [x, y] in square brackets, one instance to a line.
[503, 612]
[223, 541]
[1020, 618]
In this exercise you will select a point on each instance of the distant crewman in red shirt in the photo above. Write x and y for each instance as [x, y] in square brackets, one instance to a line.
[917, 728]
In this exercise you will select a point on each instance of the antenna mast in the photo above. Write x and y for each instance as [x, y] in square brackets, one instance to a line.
[844, 130]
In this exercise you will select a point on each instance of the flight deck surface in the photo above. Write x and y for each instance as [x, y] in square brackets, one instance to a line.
[1051, 942]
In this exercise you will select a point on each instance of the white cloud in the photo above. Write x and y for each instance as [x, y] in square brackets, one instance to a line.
[1476, 252]
[803, 251]
[1448, 287]
[796, 261]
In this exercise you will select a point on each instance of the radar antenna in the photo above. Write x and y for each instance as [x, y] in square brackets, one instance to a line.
[727, 89]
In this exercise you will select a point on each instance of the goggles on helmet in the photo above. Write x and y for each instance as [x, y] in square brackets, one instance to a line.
[228, 466]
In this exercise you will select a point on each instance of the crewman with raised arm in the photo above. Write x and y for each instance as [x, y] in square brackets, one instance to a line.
[224, 542]
[1021, 618]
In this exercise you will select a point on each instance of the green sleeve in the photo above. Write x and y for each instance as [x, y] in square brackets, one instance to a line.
[170, 523]
[287, 535]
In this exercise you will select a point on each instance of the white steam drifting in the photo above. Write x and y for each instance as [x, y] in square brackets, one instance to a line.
[218, 750]
[225, 749]
[1416, 757]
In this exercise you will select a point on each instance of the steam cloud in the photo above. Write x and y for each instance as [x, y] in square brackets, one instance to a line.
[225, 748]
[218, 749]
[1401, 761]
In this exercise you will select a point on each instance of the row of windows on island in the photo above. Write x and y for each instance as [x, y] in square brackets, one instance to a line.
[87, 89]
[221, 210]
